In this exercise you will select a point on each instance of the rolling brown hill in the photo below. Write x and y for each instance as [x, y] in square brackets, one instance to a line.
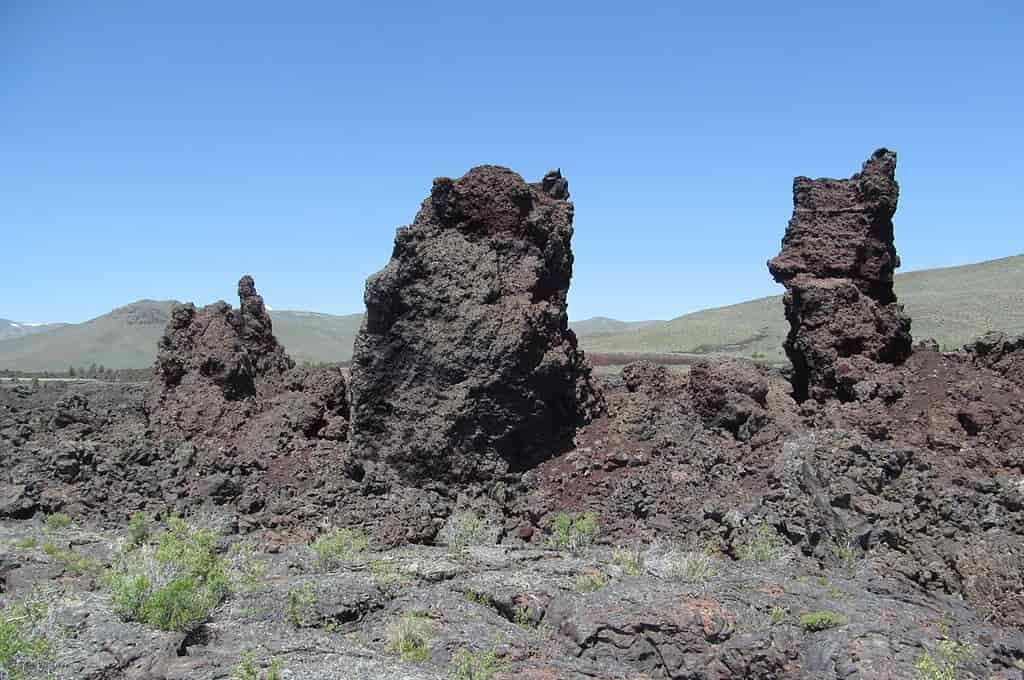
[952, 305]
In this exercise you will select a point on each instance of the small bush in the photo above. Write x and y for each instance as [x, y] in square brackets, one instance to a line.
[467, 528]
[779, 614]
[57, 521]
[589, 581]
[387, 575]
[630, 560]
[251, 572]
[409, 637]
[247, 570]
[139, 527]
[301, 608]
[523, 616]
[338, 547]
[948, 661]
[691, 565]
[470, 665]
[74, 563]
[574, 533]
[478, 597]
[823, 620]
[763, 545]
[249, 669]
[25, 650]
[174, 585]
[26, 543]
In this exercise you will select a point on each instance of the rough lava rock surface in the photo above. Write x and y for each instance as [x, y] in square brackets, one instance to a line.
[1001, 353]
[837, 264]
[211, 362]
[465, 367]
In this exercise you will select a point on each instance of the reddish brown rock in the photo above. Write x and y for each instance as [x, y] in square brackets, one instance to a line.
[220, 371]
[730, 394]
[1001, 353]
[646, 376]
[837, 264]
[465, 366]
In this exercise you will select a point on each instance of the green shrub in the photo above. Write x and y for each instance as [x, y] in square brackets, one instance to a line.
[409, 637]
[25, 650]
[468, 528]
[779, 614]
[523, 616]
[469, 665]
[57, 521]
[338, 547]
[251, 572]
[478, 597]
[691, 565]
[630, 560]
[590, 580]
[763, 545]
[823, 620]
[74, 563]
[574, 533]
[302, 600]
[26, 543]
[387, 575]
[948, 661]
[249, 669]
[174, 585]
[139, 527]
[247, 570]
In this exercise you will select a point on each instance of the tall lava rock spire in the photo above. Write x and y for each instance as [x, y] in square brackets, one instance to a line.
[465, 366]
[837, 264]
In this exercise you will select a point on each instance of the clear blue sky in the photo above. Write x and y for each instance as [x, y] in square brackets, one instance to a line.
[161, 150]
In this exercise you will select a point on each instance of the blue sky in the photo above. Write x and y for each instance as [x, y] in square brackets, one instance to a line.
[161, 150]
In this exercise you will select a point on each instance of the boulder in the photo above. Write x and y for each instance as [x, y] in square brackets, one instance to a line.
[731, 395]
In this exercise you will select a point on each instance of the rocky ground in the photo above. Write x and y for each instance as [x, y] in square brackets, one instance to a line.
[729, 525]
[519, 611]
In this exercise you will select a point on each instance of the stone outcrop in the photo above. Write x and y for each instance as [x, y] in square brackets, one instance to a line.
[465, 366]
[837, 264]
[218, 368]
[1000, 352]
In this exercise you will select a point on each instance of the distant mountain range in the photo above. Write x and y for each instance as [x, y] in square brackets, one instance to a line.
[952, 305]
[16, 329]
[127, 337]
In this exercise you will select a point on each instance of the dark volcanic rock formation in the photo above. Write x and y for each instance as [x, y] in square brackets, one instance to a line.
[837, 265]
[219, 368]
[1001, 353]
[730, 394]
[465, 366]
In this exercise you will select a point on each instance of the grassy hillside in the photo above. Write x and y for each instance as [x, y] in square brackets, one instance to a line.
[952, 305]
[309, 336]
[602, 325]
[123, 338]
